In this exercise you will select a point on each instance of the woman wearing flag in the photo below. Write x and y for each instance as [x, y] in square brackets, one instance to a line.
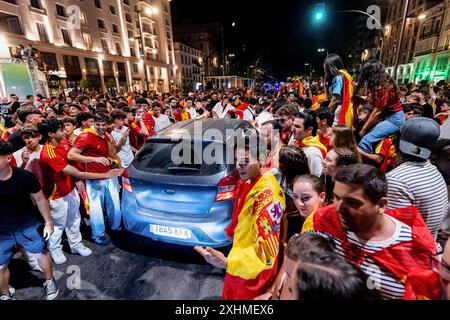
[388, 110]
[340, 86]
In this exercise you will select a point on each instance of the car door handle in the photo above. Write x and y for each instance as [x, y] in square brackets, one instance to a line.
[169, 191]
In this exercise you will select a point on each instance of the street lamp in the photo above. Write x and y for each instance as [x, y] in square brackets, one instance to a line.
[319, 12]
[148, 11]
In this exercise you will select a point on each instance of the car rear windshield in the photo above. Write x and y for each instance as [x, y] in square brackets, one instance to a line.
[182, 159]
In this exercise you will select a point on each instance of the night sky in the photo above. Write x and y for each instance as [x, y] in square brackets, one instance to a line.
[280, 32]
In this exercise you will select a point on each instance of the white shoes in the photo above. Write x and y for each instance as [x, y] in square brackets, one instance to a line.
[82, 250]
[58, 257]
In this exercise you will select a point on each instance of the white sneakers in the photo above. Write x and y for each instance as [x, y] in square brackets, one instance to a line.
[58, 257]
[82, 250]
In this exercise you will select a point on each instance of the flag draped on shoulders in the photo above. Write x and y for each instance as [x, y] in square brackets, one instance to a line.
[408, 261]
[312, 142]
[348, 113]
[255, 229]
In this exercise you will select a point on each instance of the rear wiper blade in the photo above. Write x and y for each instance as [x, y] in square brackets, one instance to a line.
[183, 169]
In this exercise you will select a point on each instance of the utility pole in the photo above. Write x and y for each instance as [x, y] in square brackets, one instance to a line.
[400, 41]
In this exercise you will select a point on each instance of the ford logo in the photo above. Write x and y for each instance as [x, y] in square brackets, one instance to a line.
[169, 191]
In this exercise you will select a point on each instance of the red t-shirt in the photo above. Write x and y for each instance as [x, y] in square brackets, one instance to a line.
[387, 100]
[325, 140]
[53, 160]
[92, 145]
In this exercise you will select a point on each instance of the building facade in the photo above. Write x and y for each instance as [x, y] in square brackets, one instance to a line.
[207, 38]
[423, 40]
[99, 41]
[190, 67]
[432, 52]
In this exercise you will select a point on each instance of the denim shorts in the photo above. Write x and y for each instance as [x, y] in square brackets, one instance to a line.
[29, 237]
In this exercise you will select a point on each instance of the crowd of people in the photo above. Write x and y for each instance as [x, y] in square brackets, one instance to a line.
[348, 201]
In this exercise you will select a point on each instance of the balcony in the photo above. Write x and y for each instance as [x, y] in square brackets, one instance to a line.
[435, 50]
[429, 34]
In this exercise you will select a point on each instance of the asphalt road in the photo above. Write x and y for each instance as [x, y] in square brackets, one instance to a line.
[132, 267]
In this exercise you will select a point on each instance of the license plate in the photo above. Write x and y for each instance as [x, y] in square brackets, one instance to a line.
[172, 232]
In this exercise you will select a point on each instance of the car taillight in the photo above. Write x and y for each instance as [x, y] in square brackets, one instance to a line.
[227, 187]
[126, 182]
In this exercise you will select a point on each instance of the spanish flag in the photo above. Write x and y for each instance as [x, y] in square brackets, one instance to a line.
[408, 261]
[312, 142]
[348, 113]
[255, 229]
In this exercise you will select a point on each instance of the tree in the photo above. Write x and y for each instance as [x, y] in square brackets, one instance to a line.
[84, 84]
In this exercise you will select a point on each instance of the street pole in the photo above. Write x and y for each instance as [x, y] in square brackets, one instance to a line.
[141, 34]
[400, 41]
[310, 72]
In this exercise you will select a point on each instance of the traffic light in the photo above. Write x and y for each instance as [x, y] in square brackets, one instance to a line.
[319, 12]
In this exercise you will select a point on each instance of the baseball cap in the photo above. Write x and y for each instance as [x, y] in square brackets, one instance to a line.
[418, 135]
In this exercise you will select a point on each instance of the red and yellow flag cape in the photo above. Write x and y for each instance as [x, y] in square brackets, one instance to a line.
[408, 261]
[348, 113]
[312, 142]
[252, 261]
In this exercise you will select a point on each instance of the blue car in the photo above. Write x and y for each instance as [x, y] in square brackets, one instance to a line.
[188, 203]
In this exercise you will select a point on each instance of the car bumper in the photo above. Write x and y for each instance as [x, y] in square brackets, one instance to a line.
[204, 232]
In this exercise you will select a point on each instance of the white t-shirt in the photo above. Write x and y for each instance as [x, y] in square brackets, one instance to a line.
[192, 112]
[315, 159]
[33, 164]
[249, 114]
[221, 111]
[161, 122]
[125, 154]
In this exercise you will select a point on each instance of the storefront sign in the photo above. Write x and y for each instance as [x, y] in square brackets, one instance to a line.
[58, 73]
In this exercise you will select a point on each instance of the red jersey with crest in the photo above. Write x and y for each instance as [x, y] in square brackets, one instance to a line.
[91, 144]
[53, 160]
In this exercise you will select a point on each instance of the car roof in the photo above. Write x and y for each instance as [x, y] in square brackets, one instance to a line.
[191, 127]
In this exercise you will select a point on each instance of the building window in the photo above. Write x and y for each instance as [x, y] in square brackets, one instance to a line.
[148, 43]
[36, 4]
[14, 25]
[105, 45]
[146, 28]
[115, 28]
[160, 72]
[135, 68]
[130, 34]
[132, 52]
[50, 60]
[112, 9]
[101, 24]
[118, 49]
[168, 35]
[42, 32]
[148, 56]
[128, 17]
[60, 10]
[66, 37]
[87, 39]
[98, 4]
[167, 22]
[127, 2]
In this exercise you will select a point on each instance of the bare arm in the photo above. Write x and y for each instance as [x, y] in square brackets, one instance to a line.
[333, 103]
[75, 155]
[374, 157]
[43, 206]
[374, 116]
[74, 172]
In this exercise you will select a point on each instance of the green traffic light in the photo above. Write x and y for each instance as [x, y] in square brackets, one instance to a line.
[319, 12]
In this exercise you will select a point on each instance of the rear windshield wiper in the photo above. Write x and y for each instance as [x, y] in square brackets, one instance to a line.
[187, 169]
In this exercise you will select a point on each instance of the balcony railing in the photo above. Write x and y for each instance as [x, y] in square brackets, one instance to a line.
[429, 34]
[435, 50]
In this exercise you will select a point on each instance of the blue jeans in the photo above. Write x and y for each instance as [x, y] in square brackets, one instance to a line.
[101, 192]
[390, 125]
